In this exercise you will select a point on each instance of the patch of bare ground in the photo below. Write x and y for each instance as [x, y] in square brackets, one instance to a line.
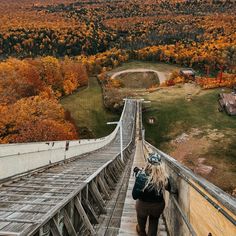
[194, 149]
[137, 79]
[187, 90]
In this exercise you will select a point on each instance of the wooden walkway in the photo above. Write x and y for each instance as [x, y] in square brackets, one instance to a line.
[129, 220]
[30, 201]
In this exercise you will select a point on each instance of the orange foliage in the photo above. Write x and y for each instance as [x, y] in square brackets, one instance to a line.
[29, 90]
[34, 119]
[114, 83]
[175, 78]
[228, 80]
[214, 53]
[66, 27]
[105, 61]
[30, 77]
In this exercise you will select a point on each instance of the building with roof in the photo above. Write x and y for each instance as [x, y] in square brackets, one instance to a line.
[187, 73]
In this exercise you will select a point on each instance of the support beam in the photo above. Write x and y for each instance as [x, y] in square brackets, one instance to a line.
[103, 188]
[109, 181]
[97, 197]
[84, 216]
[105, 184]
[90, 211]
[55, 228]
[68, 224]
[112, 175]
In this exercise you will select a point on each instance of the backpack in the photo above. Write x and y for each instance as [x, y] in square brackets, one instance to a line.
[140, 182]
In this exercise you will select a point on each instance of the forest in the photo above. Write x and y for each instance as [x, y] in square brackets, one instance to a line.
[30, 90]
[48, 49]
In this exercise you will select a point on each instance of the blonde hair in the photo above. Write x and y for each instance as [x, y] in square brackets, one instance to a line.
[157, 177]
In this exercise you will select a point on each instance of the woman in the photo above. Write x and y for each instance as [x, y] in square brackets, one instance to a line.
[148, 190]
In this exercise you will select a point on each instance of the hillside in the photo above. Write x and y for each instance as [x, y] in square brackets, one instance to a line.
[66, 27]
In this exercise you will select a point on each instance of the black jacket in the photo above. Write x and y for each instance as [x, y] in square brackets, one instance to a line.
[149, 194]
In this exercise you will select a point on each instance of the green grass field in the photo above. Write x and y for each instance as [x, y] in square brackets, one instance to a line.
[87, 109]
[177, 110]
[175, 115]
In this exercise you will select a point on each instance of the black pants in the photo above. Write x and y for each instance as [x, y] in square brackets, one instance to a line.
[151, 210]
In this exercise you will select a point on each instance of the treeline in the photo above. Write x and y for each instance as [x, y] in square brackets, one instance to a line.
[90, 27]
[211, 55]
[102, 62]
[29, 93]
[30, 88]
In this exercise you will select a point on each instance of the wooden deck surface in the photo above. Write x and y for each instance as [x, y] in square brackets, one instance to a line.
[129, 220]
[26, 202]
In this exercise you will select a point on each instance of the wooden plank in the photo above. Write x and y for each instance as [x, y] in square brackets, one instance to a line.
[54, 228]
[18, 220]
[91, 177]
[3, 225]
[62, 180]
[51, 182]
[22, 210]
[84, 216]
[16, 227]
[200, 209]
[52, 212]
[27, 231]
[8, 233]
[38, 191]
[69, 226]
[97, 165]
[30, 196]
[64, 175]
[36, 186]
[28, 203]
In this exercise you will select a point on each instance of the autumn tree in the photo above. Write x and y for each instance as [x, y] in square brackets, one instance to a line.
[34, 119]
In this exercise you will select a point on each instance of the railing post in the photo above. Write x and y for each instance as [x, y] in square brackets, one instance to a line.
[121, 141]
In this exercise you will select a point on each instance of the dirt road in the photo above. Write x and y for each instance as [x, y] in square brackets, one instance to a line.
[161, 75]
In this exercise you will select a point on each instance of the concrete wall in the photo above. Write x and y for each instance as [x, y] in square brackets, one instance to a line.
[19, 158]
[208, 209]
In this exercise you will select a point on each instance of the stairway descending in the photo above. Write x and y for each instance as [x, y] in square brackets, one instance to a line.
[129, 219]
